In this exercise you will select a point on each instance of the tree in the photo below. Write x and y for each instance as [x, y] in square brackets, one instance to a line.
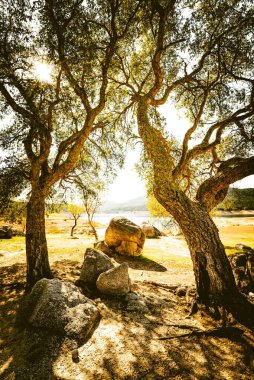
[76, 211]
[15, 212]
[201, 57]
[91, 200]
[56, 59]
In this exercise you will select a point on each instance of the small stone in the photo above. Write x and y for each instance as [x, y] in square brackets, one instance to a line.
[75, 356]
[190, 294]
[181, 291]
[137, 306]
[131, 296]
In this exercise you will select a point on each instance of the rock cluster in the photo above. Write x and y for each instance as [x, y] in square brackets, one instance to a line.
[98, 270]
[242, 264]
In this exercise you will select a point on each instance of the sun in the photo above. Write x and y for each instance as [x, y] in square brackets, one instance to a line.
[42, 71]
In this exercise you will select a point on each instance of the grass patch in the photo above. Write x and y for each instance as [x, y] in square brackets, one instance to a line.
[17, 243]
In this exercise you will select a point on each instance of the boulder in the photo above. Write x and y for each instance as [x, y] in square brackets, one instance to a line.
[242, 264]
[150, 231]
[95, 263]
[115, 281]
[6, 232]
[103, 247]
[125, 237]
[59, 307]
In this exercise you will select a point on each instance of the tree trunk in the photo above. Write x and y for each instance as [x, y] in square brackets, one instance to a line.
[74, 226]
[36, 244]
[93, 229]
[214, 278]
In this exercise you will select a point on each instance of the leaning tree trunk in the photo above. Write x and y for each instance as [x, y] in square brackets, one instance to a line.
[36, 244]
[90, 222]
[73, 227]
[214, 278]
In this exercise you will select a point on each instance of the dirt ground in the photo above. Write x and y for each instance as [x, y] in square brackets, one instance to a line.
[154, 343]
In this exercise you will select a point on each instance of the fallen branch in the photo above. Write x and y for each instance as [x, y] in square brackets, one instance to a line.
[171, 287]
[223, 332]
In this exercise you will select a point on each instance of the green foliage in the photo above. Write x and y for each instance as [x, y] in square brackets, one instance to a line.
[52, 207]
[14, 212]
[75, 210]
[238, 199]
[155, 208]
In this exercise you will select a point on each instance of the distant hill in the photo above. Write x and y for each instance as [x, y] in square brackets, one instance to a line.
[136, 204]
[237, 199]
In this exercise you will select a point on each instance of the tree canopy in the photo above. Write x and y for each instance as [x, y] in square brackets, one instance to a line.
[113, 63]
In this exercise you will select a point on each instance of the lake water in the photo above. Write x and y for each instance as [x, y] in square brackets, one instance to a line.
[161, 223]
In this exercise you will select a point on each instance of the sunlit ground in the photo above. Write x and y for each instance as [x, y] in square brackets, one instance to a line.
[171, 253]
[127, 345]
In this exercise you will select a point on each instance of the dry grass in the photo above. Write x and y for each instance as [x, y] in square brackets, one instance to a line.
[126, 345]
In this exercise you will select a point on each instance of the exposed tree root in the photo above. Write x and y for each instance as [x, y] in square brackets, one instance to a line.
[223, 332]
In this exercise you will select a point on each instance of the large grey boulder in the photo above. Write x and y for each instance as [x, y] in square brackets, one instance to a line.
[59, 307]
[124, 237]
[242, 264]
[95, 263]
[115, 281]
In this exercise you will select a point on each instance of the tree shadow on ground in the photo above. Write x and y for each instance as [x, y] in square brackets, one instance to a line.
[140, 263]
[27, 353]
[126, 345]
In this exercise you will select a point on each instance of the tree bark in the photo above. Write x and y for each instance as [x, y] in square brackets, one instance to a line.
[93, 228]
[36, 245]
[215, 282]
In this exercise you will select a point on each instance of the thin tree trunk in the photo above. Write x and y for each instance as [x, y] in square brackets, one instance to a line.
[36, 245]
[93, 229]
[73, 227]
